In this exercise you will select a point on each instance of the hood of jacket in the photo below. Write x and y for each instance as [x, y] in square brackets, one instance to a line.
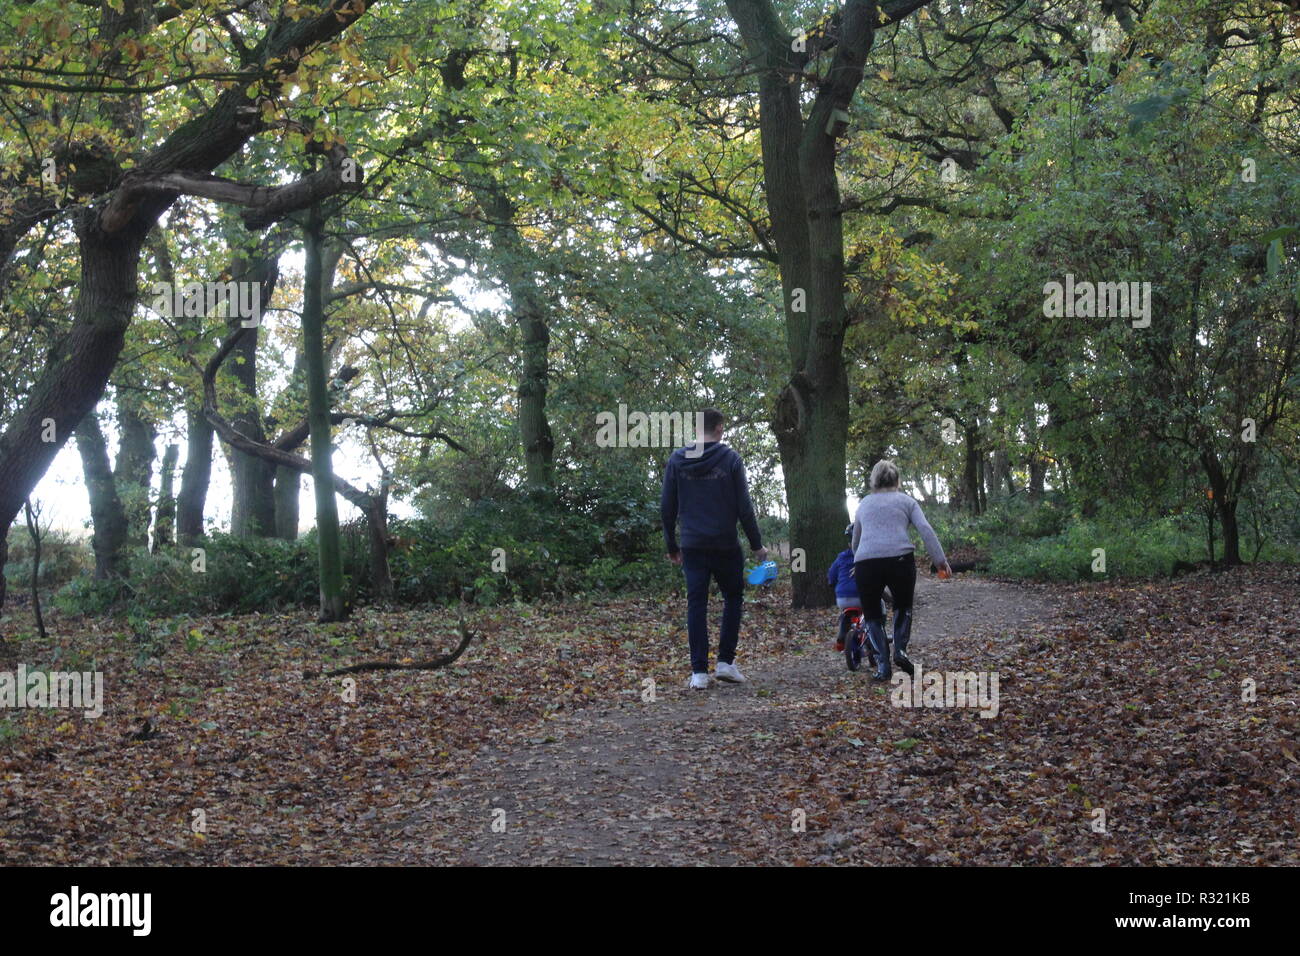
[715, 455]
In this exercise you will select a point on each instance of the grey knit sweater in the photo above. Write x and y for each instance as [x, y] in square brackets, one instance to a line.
[880, 527]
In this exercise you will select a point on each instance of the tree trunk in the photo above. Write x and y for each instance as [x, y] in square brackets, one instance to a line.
[165, 513]
[1224, 500]
[194, 478]
[1036, 462]
[288, 481]
[288, 484]
[534, 430]
[530, 314]
[970, 474]
[1037, 477]
[1211, 511]
[34, 532]
[812, 458]
[133, 470]
[804, 204]
[929, 494]
[381, 581]
[982, 484]
[1231, 533]
[1004, 482]
[252, 513]
[78, 366]
[332, 607]
[108, 517]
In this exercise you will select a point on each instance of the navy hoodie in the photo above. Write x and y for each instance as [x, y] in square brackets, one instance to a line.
[709, 494]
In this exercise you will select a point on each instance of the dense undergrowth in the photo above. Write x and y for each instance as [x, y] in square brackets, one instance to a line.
[504, 551]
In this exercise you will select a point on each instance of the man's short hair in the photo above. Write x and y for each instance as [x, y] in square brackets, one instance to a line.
[712, 419]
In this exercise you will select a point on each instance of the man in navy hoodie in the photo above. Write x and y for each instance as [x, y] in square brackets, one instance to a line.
[705, 488]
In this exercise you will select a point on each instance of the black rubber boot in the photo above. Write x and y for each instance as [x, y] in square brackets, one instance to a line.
[884, 620]
[879, 644]
[902, 634]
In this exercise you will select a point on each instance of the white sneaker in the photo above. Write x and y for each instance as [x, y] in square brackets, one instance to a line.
[699, 682]
[729, 673]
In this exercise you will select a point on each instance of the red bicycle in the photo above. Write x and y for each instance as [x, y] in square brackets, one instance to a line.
[856, 642]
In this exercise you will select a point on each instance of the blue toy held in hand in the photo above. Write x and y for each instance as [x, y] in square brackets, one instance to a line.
[762, 574]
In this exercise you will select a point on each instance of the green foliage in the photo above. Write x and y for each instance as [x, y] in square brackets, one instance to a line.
[1049, 541]
[85, 595]
[772, 528]
[1009, 522]
[63, 558]
[527, 547]
[241, 575]
[546, 550]
[1133, 550]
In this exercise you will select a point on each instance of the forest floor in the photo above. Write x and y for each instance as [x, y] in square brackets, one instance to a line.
[1150, 723]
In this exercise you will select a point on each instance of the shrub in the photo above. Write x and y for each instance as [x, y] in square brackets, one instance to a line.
[548, 549]
[1133, 550]
[63, 558]
[240, 575]
[544, 549]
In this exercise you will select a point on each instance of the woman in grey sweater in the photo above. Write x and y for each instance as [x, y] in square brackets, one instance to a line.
[882, 557]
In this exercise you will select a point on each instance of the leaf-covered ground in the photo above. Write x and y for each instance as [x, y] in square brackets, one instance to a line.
[1134, 700]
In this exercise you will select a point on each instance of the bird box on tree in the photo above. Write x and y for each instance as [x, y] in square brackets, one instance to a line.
[837, 123]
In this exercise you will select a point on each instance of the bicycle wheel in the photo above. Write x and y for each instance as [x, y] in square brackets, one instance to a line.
[853, 642]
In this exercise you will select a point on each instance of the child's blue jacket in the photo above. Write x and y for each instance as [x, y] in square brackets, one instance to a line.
[841, 575]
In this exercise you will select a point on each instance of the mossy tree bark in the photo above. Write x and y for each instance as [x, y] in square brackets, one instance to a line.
[107, 516]
[806, 211]
[332, 606]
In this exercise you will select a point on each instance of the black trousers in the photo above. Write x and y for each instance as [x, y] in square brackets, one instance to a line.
[875, 574]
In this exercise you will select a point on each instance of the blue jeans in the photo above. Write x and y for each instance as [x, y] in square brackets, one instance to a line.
[728, 569]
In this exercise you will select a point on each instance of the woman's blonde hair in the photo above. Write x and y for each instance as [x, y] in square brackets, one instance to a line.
[884, 475]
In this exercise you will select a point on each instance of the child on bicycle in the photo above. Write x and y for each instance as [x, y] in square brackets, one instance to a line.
[840, 576]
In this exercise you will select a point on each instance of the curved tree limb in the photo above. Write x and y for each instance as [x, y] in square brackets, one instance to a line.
[237, 439]
[466, 635]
